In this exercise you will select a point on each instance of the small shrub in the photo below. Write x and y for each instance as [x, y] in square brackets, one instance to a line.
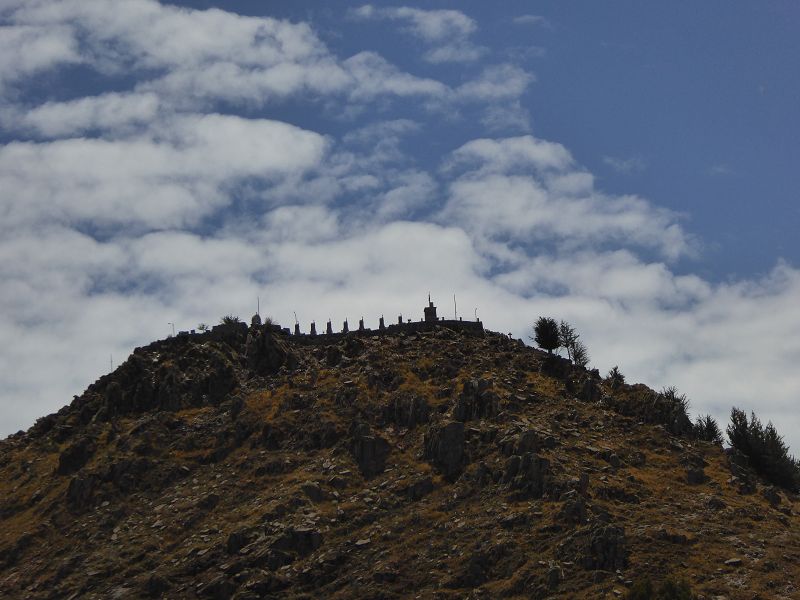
[671, 409]
[230, 320]
[764, 448]
[615, 377]
[202, 327]
[707, 429]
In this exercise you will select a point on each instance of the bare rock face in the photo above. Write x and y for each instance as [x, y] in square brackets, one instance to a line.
[444, 447]
[531, 440]
[75, 456]
[369, 450]
[407, 410]
[602, 547]
[199, 375]
[266, 354]
[80, 492]
[556, 366]
[476, 401]
[608, 549]
[528, 474]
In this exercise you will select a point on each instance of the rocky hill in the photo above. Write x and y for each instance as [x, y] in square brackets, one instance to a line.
[437, 464]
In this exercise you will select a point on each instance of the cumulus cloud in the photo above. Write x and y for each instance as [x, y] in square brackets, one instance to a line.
[192, 57]
[104, 113]
[498, 82]
[27, 50]
[529, 190]
[171, 175]
[445, 32]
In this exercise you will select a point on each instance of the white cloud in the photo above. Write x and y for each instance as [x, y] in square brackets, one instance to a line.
[508, 155]
[26, 50]
[446, 32]
[192, 57]
[107, 112]
[720, 170]
[534, 20]
[633, 164]
[373, 76]
[172, 175]
[505, 117]
[530, 191]
[498, 82]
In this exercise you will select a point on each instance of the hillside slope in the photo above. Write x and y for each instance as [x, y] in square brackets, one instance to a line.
[437, 464]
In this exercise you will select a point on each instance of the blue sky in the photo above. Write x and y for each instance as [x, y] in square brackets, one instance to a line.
[627, 166]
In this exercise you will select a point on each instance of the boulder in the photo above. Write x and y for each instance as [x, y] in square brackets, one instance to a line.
[369, 450]
[476, 401]
[530, 440]
[528, 474]
[219, 588]
[417, 489]
[237, 540]
[406, 410]
[444, 448]
[298, 540]
[75, 456]
[81, 490]
[695, 476]
[608, 549]
[156, 586]
[573, 509]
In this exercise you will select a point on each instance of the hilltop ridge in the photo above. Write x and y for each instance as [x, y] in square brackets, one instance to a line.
[431, 461]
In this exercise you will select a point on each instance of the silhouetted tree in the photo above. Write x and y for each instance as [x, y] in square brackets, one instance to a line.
[764, 448]
[567, 337]
[229, 320]
[546, 334]
[707, 429]
[615, 377]
[576, 350]
[580, 354]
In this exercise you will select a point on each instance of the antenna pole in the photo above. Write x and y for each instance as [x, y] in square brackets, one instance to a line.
[295, 317]
[173, 328]
[455, 308]
[258, 305]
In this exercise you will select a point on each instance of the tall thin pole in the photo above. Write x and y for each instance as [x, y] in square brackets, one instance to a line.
[455, 308]
[258, 305]
[173, 328]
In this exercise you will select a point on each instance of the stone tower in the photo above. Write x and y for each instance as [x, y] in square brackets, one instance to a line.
[430, 312]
